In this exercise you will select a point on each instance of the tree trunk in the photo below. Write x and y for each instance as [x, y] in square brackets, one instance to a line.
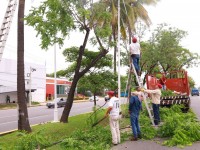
[23, 120]
[95, 102]
[70, 98]
[78, 75]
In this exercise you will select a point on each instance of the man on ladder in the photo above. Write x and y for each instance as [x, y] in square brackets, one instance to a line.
[134, 48]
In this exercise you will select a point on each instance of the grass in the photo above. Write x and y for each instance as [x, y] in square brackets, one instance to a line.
[54, 132]
[77, 132]
[14, 105]
[8, 106]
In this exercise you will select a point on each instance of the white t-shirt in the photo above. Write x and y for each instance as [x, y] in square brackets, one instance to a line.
[155, 95]
[114, 103]
[134, 48]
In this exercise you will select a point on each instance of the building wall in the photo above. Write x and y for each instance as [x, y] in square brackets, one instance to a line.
[13, 97]
[50, 87]
[8, 80]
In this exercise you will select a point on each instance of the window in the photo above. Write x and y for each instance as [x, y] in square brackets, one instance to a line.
[60, 89]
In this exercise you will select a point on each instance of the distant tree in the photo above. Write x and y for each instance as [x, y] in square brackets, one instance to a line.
[191, 82]
[163, 52]
[98, 81]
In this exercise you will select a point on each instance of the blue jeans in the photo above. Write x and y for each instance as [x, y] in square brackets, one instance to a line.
[156, 113]
[136, 62]
[164, 87]
[135, 125]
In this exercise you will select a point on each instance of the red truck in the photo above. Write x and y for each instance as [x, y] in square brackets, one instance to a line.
[176, 81]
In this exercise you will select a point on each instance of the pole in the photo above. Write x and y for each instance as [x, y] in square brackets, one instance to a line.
[30, 96]
[55, 88]
[118, 45]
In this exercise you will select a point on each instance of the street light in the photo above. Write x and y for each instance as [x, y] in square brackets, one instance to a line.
[30, 82]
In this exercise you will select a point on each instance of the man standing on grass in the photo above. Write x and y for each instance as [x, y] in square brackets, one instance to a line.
[155, 96]
[135, 105]
[113, 111]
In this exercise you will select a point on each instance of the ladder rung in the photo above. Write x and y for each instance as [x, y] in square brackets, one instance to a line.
[6, 22]
[3, 29]
[8, 16]
[10, 5]
[8, 11]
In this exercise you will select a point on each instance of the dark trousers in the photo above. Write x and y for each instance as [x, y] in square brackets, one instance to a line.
[136, 62]
[135, 125]
[156, 113]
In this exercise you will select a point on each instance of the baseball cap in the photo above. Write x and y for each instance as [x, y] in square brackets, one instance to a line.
[111, 93]
[134, 39]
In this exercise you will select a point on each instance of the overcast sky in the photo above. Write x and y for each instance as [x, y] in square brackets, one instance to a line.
[181, 14]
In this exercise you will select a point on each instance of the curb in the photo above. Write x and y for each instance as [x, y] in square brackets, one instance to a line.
[7, 132]
[78, 101]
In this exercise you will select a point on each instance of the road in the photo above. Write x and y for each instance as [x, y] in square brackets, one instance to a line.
[154, 145]
[41, 114]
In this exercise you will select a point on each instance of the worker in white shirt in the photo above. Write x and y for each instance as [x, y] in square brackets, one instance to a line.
[134, 48]
[113, 112]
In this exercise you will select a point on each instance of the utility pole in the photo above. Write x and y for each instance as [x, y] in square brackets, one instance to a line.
[55, 88]
[30, 82]
[118, 48]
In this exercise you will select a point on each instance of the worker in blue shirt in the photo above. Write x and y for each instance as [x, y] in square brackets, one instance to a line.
[135, 105]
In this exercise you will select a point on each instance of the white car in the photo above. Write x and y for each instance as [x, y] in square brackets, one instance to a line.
[91, 99]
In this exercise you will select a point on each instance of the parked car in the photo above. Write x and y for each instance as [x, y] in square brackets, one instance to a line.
[195, 92]
[91, 99]
[106, 98]
[60, 102]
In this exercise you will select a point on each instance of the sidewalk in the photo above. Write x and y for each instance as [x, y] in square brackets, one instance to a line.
[155, 144]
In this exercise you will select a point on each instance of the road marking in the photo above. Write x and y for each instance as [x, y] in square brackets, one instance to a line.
[8, 116]
[29, 119]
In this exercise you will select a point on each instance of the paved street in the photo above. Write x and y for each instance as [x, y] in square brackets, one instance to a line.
[156, 143]
[41, 114]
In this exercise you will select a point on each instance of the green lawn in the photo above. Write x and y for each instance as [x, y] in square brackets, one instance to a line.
[79, 134]
[14, 105]
[54, 131]
[8, 106]
[50, 133]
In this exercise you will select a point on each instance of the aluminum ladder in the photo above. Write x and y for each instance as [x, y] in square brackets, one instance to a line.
[149, 108]
[5, 27]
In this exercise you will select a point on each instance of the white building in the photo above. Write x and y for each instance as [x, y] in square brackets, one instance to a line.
[8, 80]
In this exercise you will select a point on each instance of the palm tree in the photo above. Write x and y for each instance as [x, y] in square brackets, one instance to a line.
[23, 120]
[130, 11]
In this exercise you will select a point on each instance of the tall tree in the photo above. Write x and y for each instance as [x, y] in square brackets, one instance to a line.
[54, 20]
[130, 12]
[23, 120]
[163, 52]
